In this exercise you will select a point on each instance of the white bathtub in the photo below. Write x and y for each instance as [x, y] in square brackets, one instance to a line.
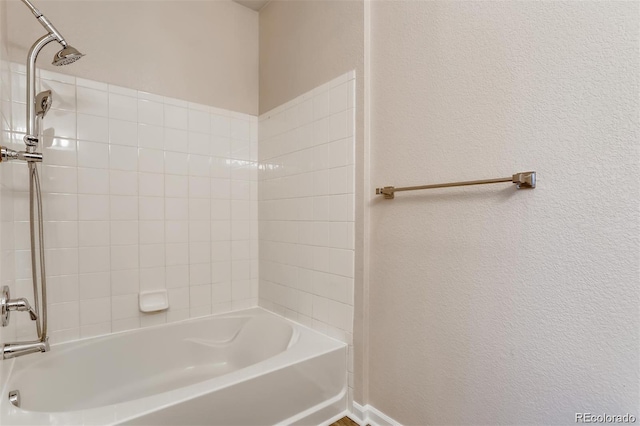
[244, 368]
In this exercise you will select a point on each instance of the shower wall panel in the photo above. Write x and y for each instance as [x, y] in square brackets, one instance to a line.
[141, 192]
[307, 209]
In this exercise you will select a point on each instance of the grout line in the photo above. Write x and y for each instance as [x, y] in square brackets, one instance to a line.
[108, 200]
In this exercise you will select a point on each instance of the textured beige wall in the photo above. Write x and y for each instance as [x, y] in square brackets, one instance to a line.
[490, 305]
[304, 43]
[200, 51]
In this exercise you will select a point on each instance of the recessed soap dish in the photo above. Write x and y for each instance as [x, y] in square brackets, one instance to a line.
[153, 301]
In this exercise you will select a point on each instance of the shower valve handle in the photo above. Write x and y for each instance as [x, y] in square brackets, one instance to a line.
[22, 305]
[7, 305]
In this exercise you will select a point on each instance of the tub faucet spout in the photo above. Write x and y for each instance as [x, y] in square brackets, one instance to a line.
[16, 349]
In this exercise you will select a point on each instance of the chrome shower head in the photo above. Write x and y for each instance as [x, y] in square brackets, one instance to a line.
[66, 56]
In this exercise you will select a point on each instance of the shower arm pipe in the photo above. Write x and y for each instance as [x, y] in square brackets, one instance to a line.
[31, 138]
[33, 9]
[45, 23]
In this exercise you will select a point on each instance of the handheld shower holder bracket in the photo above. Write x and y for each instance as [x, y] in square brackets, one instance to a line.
[30, 140]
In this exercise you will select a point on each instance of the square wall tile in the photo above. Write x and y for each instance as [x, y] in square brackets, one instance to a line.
[150, 136]
[123, 133]
[150, 112]
[90, 128]
[93, 154]
[92, 101]
[123, 107]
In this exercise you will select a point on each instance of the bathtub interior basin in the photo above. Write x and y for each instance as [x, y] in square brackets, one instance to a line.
[101, 373]
[116, 378]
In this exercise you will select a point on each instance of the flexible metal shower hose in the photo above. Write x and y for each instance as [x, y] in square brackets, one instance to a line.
[35, 201]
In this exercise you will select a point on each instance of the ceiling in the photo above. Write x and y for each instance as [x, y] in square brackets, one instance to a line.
[253, 4]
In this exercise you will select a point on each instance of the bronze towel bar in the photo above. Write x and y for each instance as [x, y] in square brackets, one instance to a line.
[522, 180]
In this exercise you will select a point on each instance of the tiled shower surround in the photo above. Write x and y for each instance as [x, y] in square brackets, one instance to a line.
[306, 209]
[141, 192]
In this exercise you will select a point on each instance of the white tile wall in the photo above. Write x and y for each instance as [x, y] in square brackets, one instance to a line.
[306, 218]
[141, 192]
[7, 230]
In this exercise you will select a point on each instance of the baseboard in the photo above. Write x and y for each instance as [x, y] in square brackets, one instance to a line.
[357, 414]
[368, 415]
